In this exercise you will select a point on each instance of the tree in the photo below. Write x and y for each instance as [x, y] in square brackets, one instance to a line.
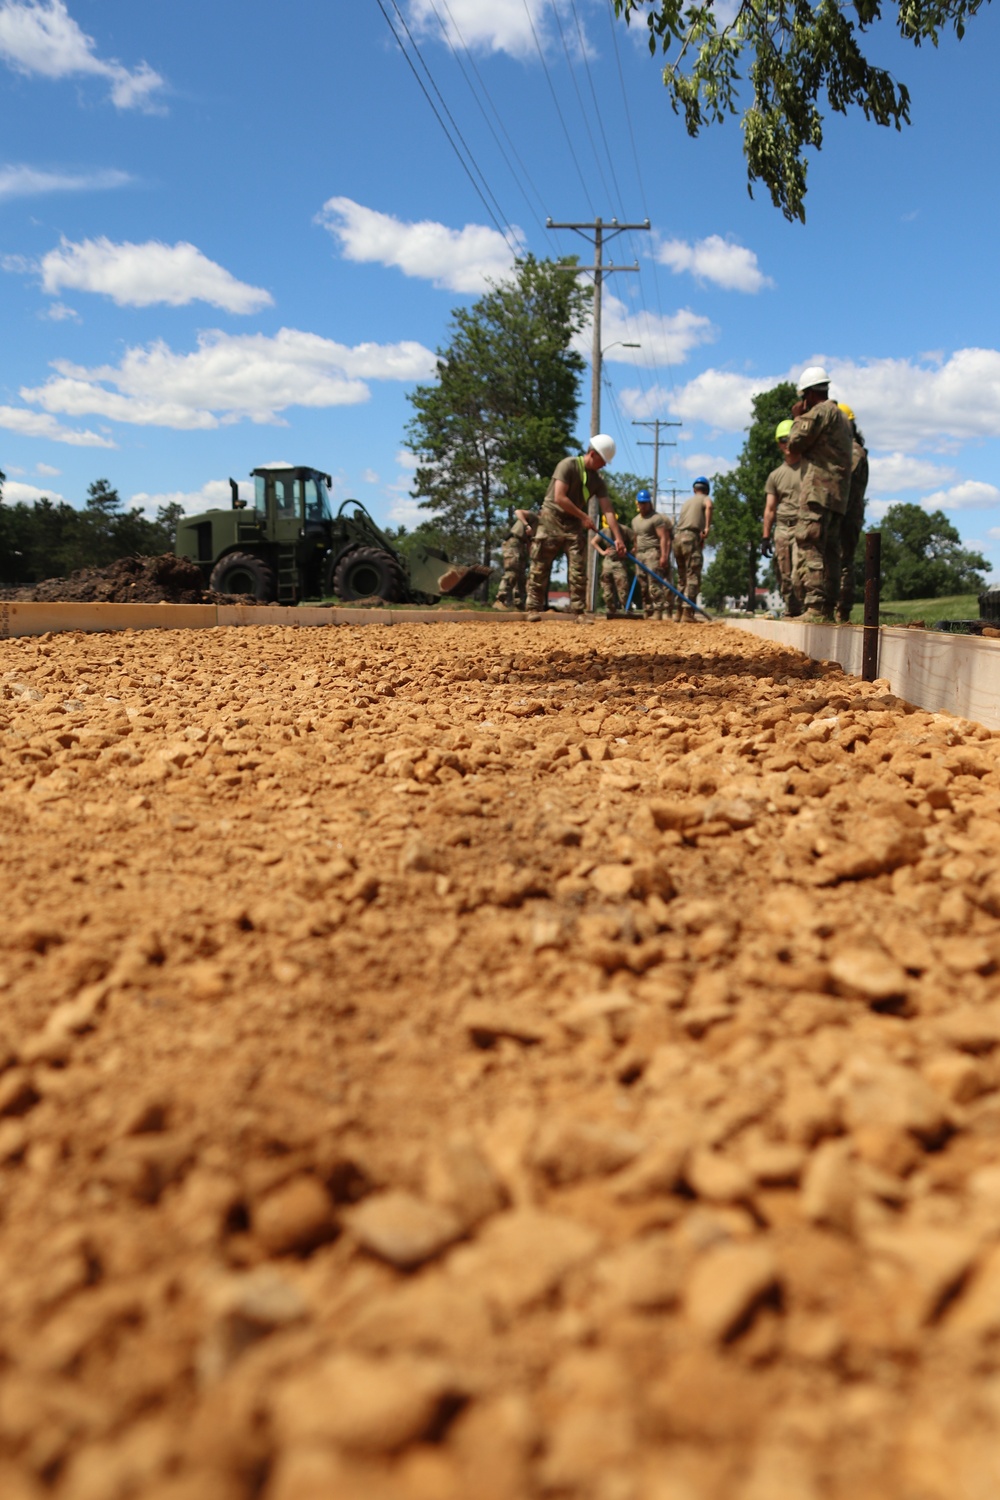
[623, 488]
[922, 556]
[738, 499]
[797, 54]
[489, 433]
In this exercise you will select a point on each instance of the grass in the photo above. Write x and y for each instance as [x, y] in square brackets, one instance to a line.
[904, 611]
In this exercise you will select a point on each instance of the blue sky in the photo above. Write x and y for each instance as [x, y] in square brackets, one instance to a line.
[231, 234]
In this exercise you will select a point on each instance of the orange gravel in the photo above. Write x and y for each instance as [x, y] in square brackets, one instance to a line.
[495, 1061]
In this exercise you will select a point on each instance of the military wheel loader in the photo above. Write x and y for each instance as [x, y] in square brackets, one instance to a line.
[289, 546]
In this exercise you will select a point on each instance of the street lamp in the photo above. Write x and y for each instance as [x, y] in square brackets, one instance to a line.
[618, 344]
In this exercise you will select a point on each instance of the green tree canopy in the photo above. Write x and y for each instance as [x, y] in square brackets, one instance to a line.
[50, 539]
[489, 432]
[738, 499]
[783, 63]
[623, 488]
[923, 558]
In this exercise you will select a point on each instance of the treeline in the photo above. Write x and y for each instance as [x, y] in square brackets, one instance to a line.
[50, 539]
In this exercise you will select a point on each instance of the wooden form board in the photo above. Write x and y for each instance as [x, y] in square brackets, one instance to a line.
[956, 674]
[19, 617]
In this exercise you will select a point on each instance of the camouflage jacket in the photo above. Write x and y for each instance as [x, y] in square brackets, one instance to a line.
[823, 438]
[859, 483]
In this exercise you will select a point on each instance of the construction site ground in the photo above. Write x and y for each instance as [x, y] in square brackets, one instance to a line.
[529, 1060]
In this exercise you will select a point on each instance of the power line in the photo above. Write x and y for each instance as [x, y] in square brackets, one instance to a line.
[555, 100]
[489, 123]
[597, 106]
[512, 245]
[579, 98]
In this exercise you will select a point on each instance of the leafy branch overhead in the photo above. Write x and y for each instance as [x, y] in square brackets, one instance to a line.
[781, 62]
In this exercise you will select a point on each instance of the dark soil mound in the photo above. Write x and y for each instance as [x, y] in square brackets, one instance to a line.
[129, 580]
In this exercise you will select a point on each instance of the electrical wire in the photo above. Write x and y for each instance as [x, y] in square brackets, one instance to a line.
[555, 101]
[579, 98]
[498, 217]
[597, 109]
[496, 114]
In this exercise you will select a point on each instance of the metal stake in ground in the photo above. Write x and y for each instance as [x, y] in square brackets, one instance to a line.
[873, 578]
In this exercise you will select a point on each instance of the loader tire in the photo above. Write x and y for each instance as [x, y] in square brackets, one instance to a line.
[242, 573]
[368, 572]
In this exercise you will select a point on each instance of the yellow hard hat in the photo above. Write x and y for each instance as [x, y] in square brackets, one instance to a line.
[846, 410]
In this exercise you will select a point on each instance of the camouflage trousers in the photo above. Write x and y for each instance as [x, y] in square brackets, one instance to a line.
[832, 558]
[656, 600]
[811, 530]
[614, 586]
[784, 556]
[850, 535]
[544, 551]
[512, 586]
[690, 560]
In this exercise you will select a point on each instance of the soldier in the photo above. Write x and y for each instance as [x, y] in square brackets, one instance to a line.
[821, 438]
[652, 546]
[781, 512]
[614, 573]
[515, 559]
[693, 525]
[564, 522]
[854, 519]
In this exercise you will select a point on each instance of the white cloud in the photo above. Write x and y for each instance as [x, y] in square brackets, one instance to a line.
[898, 471]
[664, 339]
[213, 495]
[31, 182]
[141, 275]
[706, 463]
[406, 460]
[369, 476]
[731, 266]
[47, 471]
[405, 511]
[58, 312]
[40, 424]
[720, 399]
[460, 260]
[971, 494]
[228, 379]
[40, 37]
[501, 26]
[16, 493]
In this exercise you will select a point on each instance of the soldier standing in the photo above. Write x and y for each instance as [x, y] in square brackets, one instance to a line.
[614, 573]
[653, 534]
[781, 512]
[821, 438]
[854, 518]
[564, 522]
[511, 592]
[693, 526]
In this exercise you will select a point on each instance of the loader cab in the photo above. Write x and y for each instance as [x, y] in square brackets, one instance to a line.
[292, 504]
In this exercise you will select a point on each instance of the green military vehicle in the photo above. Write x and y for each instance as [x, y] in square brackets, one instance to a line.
[289, 546]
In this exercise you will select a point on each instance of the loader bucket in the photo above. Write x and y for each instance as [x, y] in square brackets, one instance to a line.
[459, 583]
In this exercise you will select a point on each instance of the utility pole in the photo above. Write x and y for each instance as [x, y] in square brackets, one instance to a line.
[656, 445]
[601, 232]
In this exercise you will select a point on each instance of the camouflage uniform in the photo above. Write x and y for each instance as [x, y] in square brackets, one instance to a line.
[515, 562]
[850, 531]
[656, 600]
[784, 482]
[558, 532]
[822, 436]
[688, 549]
[614, 574]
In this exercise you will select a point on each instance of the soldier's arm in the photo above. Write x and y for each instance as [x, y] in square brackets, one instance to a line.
[561, 496]
[770, 511]
[525, 519]
[804, 433]
[708, 519]
[597, 542]
[663, 532]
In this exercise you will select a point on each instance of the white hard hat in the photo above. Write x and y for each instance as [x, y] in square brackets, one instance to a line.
[812, 375]
[604, 445]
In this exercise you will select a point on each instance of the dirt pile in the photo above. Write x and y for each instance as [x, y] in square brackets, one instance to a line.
[129, 580]
[496, 1060]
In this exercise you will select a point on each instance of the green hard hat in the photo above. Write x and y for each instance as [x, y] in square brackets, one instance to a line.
[783, 429]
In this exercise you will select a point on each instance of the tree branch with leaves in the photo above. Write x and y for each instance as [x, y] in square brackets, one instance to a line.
[782, 62]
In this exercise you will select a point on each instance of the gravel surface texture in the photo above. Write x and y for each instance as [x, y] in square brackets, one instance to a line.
[501, 1061]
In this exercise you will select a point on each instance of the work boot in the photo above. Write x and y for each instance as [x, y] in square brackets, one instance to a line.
[500, 605]
[687, 615]
[814, 617]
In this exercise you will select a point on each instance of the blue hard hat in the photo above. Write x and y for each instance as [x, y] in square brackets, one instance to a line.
[701, 480]
[643, 497]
